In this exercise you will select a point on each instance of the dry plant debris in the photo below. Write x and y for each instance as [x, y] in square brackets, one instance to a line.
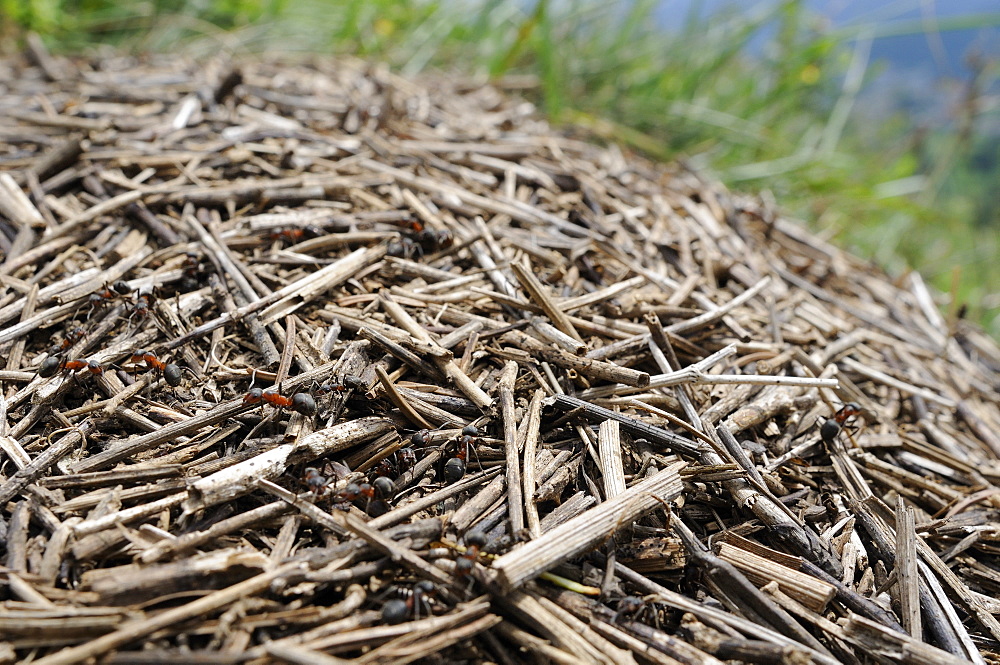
[309, 363]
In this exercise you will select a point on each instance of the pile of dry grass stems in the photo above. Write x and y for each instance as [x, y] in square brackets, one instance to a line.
[646, 357]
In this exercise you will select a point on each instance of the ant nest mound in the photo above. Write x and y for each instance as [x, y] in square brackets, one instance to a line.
[311, 360]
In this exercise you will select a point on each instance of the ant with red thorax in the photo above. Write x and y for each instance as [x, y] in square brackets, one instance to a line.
[107, 295]
[294, 235]
[831, 427]
[172, 372]
[454, 468]
[71, 338]
[52, 366]
[300, 402]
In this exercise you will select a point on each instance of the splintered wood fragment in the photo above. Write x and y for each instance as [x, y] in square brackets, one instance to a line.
[141, 628]
[239, 479]
[527, 278]
[528, 478]
[596, 369]
[806, 589]
[386, 545]
[73, 438]
[906, 569]
[875, 638]
[447, 366]
[598, 414]
[588, 530]
[399, 400]
[515, 497]
[610, 449]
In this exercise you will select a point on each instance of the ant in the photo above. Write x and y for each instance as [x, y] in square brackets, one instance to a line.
[475, 541]
[71, 338]
[53, 366]
[315, 481]
[350, 382]
[300, 402]
[405, 248]
[295, 235]
[100, 299]
[431, 240]
[454, 468]
[831, 427]
[193, 271]
[381, 489]
[144, 300]
[172, 373]
[396, 610]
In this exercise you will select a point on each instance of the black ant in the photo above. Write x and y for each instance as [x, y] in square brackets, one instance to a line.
[52, 366]
[396, 610]
[300, 402]
[405, 248]
[431, 240]
[294, 235]
[194, 271]
[831, 427]
[172, 372]
[71, 338]
[454, 468]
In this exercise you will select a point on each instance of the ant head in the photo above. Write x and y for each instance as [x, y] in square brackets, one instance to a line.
[121, 287]
[304, 404]
[470, 430]
[475, 539]
[94, 367]
[311, 231]
[254, 395]
[49, 367]
[853, 407]
[419, 438]
[425, 587]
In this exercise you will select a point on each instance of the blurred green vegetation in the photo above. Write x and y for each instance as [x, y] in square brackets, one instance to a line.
[764, 99]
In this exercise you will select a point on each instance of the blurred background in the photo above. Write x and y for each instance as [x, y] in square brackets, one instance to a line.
[875, 122]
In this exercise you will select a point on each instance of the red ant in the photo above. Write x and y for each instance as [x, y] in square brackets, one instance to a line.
[315, 481]
[295, 235]
[53, 365]
[144, 300]
[396, 610]
[172, 373]
[194, 271]
[475, 541]
[72, 337]
[431, 240]
[454, 468]
[831, 427]
[98, 300]
[301, 402]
